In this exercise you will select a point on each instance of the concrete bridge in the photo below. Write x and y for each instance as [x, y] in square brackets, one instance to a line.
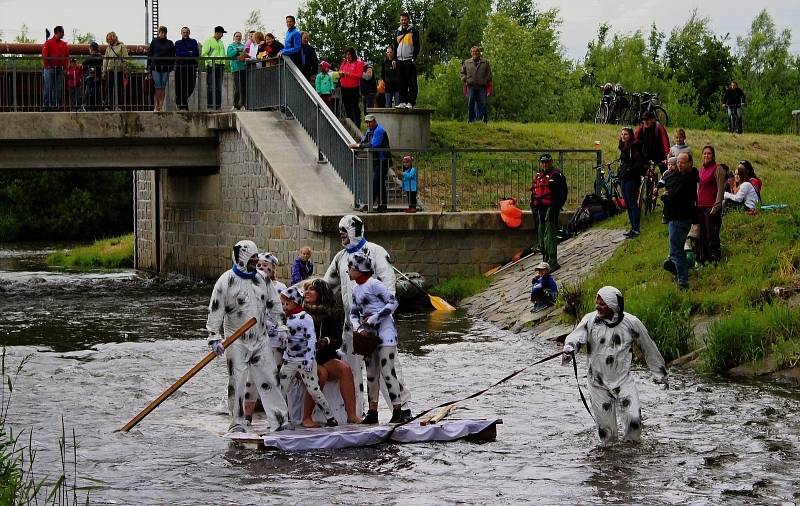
[206, 180]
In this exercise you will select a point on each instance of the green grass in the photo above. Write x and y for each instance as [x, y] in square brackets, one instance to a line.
[460, 287]
[115, 252]
[759, 252]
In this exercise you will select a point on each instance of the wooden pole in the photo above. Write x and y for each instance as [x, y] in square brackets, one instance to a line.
[186, 377]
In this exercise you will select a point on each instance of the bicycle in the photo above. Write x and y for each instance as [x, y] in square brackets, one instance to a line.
[608, 187]
[648, 191]
[641, 103]
[605, 111]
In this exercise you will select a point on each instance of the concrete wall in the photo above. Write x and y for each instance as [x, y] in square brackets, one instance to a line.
[407, 128]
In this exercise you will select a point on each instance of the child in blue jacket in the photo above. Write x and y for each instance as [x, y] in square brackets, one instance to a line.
[543, 288]
[410, 183]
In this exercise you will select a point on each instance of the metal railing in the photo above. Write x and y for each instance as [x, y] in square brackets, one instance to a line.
[96, 83]
[477, 179]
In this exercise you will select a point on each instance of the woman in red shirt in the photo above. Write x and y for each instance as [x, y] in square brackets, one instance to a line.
[350, 72]
[710, 193]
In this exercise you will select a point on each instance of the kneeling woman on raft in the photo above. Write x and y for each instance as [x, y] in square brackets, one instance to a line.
[328, 321]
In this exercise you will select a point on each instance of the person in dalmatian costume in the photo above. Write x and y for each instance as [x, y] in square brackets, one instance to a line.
[371, 313]
[352, 236]
[274, 316]
[300, 348]
[609, 335]
[239, 294]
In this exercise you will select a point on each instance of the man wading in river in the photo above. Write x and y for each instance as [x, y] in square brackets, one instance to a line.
[240, 294]
[609, 335]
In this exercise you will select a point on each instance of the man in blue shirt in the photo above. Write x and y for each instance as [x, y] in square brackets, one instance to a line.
[375, 137]
[187, 51]
[293, 41]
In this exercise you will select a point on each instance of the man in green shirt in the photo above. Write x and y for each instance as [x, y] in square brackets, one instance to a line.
[214, 57]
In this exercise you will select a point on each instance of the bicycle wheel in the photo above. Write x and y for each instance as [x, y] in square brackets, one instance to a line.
[602, 113]
[661, 115]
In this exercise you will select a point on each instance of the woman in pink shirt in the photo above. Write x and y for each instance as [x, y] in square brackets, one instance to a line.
[350, 72]
[710, 193]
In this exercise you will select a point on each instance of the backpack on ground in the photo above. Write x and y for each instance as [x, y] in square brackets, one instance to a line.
[593, 209]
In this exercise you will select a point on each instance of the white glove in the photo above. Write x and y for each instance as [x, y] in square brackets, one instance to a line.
[308, 366]
[217, 348]
[373, 319]
[271, 326]
[568, 349]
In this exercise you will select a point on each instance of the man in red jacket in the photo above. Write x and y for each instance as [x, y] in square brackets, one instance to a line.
[55, 57]
[655, 142]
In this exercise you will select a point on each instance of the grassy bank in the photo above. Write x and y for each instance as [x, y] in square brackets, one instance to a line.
[460, 287]
[759, 252]
[115, 252]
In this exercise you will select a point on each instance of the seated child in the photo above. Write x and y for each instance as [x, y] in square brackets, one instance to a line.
[410, 183]
[299, 355]
[544, 291]
[302, 268]
[371, 313]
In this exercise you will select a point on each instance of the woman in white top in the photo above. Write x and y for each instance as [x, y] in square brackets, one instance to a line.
[746, 196]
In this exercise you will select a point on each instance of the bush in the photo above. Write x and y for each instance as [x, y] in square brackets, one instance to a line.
[460, 287]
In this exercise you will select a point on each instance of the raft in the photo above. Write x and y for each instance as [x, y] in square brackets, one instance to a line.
[355, 436]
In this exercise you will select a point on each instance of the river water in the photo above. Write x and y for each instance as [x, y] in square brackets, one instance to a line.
[102, 345]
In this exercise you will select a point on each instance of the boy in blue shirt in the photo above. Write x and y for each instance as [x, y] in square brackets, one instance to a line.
[543, 288]
[410, 183]
[302, 268]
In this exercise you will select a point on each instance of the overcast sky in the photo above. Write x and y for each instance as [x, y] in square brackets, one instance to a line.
[580, 18]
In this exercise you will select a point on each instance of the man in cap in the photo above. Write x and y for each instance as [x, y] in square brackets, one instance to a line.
[375, 137]
[216, 57]
[239, 294]
[654, 139]
[351, 233]
[608, 334]
[548, 195]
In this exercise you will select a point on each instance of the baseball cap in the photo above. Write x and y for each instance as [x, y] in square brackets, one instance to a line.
[219, 29]
[545, 157]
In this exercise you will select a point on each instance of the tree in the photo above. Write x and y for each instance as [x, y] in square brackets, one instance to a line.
[82, 38]
[694, 54]
[23, 38]
[524, 12]
[254, 22]
[335, 25]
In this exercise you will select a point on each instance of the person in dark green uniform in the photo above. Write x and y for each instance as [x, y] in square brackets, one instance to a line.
[548, 195]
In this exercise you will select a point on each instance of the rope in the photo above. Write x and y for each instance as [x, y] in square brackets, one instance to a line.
[499, 382]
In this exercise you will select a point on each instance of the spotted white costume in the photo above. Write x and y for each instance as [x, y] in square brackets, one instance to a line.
[371, 311]
[239, 295]
[609, 351]
[300, 345]
[338, 278]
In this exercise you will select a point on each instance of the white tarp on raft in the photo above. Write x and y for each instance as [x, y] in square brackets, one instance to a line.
[349, 436]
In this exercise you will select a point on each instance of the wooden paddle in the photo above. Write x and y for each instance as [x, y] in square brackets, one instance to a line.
[186, 377]
[437, 302]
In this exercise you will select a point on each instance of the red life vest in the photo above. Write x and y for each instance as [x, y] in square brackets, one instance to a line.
[542, 193]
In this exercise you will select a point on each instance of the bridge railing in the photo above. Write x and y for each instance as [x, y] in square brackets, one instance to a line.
[476, 179]
[95, 83]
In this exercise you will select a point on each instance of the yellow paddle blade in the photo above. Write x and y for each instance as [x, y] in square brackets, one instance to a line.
[491, 271]
[440, 304]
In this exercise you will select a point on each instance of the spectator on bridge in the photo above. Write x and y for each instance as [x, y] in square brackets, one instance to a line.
[476, 74]
[734, 101]
[213, 51]
[323, 83]
[375, 137]
[236, 59]
[368, 87]
[391, 95]
[75, 84]
[92, 70]
[187, 51]
[115, 71]
[55, 55]
[654, 140]
[268, 51]
[350, 71]
[292, 42]
[405, 49]
[160, 61]
[251, 47]
[308, 57]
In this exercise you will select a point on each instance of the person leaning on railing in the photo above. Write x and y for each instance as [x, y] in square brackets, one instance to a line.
[187, 51]
[92, 70]
[236, 60]
[115, 66]
[214, 53]
[55, 54]
[160, 61]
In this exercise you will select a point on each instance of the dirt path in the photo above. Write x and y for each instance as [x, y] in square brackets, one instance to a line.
[506, 303]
